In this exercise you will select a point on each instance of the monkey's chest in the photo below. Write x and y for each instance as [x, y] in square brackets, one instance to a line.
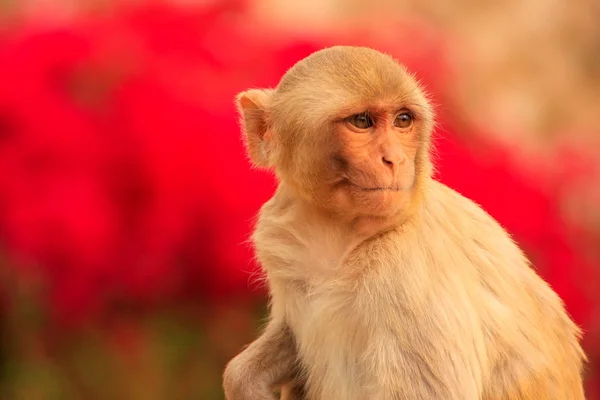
[331, 343]
[372, 342]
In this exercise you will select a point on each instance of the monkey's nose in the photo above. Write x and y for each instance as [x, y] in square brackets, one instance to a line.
[392, 160]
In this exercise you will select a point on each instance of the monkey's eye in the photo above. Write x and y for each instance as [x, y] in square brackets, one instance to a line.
[403, 120]
[361, 121]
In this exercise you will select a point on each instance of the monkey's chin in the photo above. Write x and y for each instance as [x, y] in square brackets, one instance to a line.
[357, 201]
[383, 203]
[373, 203]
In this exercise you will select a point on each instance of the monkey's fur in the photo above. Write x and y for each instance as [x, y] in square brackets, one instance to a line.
[385, 283]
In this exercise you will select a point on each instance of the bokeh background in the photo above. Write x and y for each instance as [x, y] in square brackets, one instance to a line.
[126, 198]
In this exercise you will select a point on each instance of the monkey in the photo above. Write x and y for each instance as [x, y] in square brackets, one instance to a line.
[385, 283]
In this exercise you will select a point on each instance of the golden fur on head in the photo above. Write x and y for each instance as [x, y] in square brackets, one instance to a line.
[292, 129]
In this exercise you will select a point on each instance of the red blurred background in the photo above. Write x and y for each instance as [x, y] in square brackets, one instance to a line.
[126, 197]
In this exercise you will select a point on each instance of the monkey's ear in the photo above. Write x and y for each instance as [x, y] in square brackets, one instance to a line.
[252, 106]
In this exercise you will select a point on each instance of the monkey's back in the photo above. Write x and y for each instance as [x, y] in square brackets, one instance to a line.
[479, 295]
[530, 339]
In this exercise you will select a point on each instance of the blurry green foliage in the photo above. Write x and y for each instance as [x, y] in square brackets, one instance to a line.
[170, 354]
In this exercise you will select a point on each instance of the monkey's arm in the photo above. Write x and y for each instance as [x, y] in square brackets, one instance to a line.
[269, 361]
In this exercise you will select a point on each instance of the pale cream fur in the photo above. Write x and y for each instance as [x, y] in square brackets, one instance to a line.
[432, 300]
[446, 308]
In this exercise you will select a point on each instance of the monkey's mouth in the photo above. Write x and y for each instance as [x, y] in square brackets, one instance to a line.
[348, 183]
[381, 189]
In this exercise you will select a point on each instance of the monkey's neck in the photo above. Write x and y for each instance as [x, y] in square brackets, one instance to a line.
[365, 228]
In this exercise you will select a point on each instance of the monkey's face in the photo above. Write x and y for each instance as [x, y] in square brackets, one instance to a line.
[348, 127]
[372, 165]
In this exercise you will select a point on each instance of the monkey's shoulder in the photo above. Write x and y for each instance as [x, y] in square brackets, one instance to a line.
[462, 225]
[504, 285]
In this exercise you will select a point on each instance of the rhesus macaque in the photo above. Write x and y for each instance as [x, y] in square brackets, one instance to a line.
[385, 284]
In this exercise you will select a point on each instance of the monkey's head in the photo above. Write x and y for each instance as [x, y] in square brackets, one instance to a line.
[348, 128]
